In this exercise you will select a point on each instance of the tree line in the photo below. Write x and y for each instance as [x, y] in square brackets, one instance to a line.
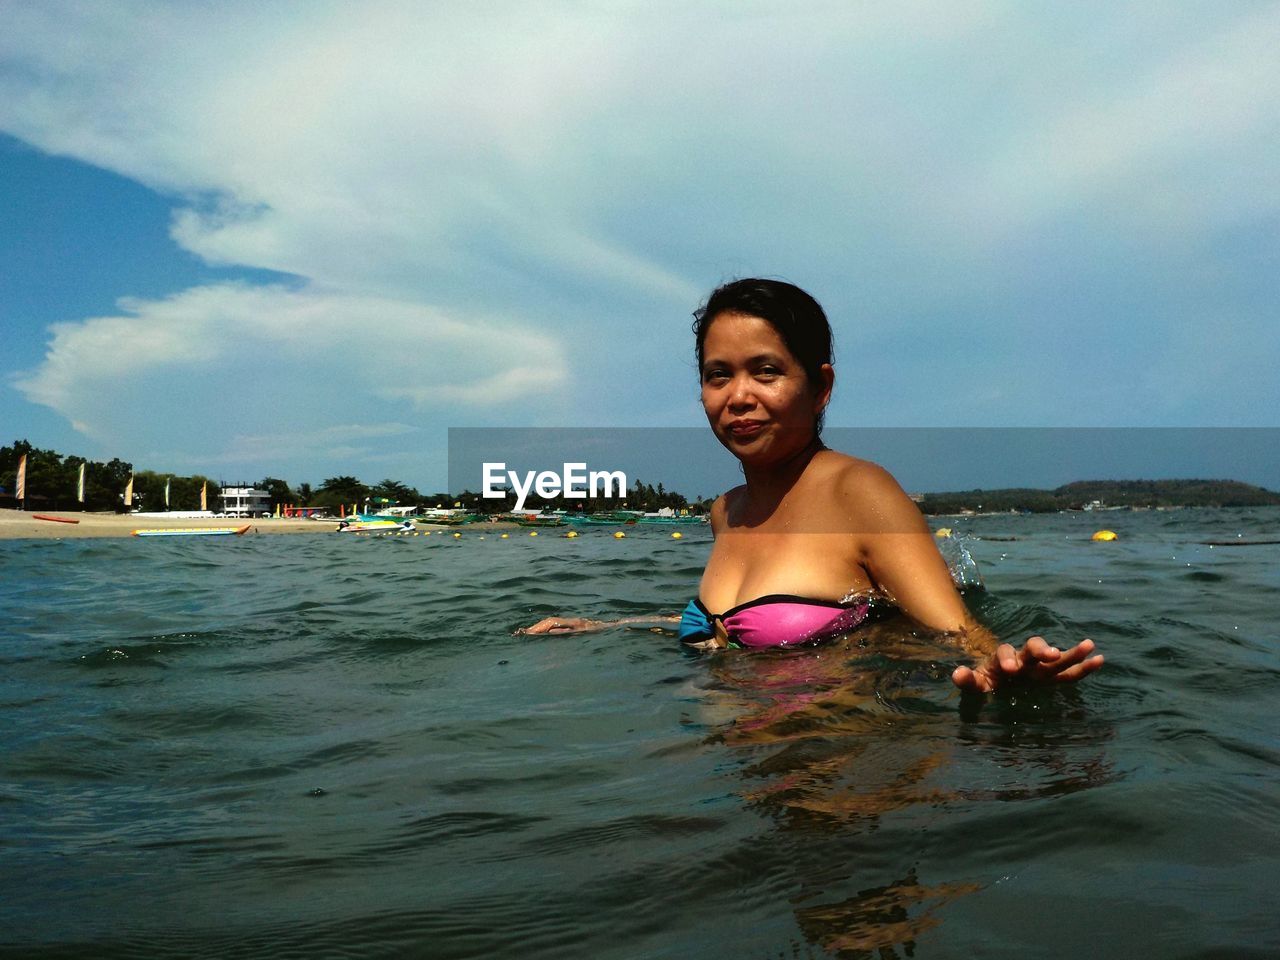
[639, 496]
[52, 478]
[349, 490]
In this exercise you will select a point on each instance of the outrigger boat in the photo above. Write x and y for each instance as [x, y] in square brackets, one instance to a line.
[451, 521]
[449, 518]
[536, 519]
[609, 519]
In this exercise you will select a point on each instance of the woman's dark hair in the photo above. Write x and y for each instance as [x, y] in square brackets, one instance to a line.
[798, 318]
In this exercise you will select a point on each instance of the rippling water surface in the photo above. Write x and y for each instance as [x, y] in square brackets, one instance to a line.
[326, 746]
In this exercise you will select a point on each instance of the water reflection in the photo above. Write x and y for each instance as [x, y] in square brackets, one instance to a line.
[881, 920]
[860, 752]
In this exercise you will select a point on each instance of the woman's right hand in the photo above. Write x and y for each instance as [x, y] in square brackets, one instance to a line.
[1036, 662]
[562, 625]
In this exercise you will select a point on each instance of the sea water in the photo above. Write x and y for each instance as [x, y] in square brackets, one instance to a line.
[334, 746]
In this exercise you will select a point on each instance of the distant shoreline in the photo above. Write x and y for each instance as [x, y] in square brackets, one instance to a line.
[1099, 495]
[24, 525]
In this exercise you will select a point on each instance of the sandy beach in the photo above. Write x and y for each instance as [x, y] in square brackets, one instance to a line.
[23, 525]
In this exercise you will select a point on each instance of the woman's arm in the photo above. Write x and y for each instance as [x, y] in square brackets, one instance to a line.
[901, 557]
[583, 625]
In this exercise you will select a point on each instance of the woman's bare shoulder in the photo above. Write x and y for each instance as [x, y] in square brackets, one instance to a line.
[869, 490]
[845, 470]
[720, 508]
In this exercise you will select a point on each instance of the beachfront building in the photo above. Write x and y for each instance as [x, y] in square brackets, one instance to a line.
[245, 501]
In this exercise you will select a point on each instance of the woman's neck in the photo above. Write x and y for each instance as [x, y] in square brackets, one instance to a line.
[767, 485]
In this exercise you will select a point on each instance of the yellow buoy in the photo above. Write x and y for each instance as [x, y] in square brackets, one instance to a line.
[533, 533]
[457, 536]
[943, 532]
[571, 534]
[505, 535]
[677, 535]
[1104, 535]
[619, 535]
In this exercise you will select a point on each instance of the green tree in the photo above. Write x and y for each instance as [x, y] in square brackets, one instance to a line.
[395, 491]
[148, 490]
[337, 490]
[45, 478]
[9, 457]
[104, 484]
[184, 493]
[281, 493]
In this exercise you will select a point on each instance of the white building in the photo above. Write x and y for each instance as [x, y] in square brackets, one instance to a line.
[245, 502]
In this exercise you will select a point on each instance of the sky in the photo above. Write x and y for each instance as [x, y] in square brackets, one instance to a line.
[305, 240]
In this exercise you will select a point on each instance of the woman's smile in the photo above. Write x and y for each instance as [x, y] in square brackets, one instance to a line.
[745, 429]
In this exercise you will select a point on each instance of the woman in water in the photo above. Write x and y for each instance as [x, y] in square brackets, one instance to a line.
[813, 534]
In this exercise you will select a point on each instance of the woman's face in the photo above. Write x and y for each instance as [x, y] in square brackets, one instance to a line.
[757, 396]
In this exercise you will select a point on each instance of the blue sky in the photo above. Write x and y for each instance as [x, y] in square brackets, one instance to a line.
[305, 240]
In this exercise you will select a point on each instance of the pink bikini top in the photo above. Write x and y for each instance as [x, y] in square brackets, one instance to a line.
[778, 620]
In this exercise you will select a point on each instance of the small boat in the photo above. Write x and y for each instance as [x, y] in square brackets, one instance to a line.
[536, 520]
[450, 518]
[374, 524]
[193, 532]
[603, 519]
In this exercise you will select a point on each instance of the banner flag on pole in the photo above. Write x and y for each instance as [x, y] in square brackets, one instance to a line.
[204, 496]
[166, 492]
[20, 493]
[128, 494]
[80, 484]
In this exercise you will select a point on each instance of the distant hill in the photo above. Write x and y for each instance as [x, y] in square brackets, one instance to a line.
[1107, 493]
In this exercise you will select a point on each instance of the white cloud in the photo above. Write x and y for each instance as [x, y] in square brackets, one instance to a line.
[355, 146]
[220, 361]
